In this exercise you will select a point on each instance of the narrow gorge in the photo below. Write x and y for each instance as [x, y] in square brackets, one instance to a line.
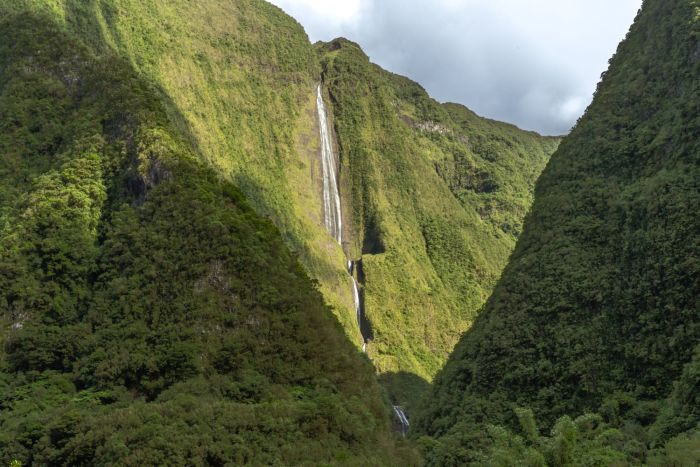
[223, 244]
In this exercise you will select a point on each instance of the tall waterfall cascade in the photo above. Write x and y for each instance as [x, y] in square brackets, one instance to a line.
[331, 195]
[333, 220]
[332, 215]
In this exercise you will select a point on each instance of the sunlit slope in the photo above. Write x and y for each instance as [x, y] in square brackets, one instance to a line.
[148, 314]
[239, 79]
[438, 196]
[444, 194]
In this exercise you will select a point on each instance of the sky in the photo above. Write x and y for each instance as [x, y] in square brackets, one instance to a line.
[535, 63]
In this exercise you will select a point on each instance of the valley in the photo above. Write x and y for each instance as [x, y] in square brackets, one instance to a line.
[221, 244]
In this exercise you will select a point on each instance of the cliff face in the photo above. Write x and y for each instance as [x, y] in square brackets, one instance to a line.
[438, 195]
[598, 308]
[239, 80]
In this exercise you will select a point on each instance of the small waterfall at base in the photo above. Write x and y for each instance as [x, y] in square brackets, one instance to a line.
[331, 195]
[402, 419]
[356, 299]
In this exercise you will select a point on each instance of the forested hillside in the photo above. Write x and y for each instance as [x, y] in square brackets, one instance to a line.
[149, 315]
[169, 292]
[438, 197]
[238, 80]
[598, 310]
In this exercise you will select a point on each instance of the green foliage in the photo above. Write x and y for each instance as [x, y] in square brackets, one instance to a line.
[586, 441]
[237, 79]
[432, 240]
[148, 315]
[597, 310]
[682, 412]
[681, 451]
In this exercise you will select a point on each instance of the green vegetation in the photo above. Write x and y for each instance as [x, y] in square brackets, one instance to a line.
[438, 197]
[149, 314]
[597, 311]
[164, 264]
[586, 441]
[237, 80]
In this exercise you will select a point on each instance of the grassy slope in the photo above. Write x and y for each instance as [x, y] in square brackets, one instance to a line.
[438, 196]
[148, 313]
[598, 308]
[237, 78]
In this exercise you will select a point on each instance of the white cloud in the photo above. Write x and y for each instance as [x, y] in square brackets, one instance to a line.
[572, 108]
[336, 10]
[322, 18]
[531, 62]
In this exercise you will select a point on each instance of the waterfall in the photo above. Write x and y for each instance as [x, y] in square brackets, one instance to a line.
[356, 299]
[332, 215]
[358, 305]
[334, 224]
[331, 196]
[401, 417]
[358, 311]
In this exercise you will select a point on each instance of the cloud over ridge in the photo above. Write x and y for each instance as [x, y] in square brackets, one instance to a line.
[534, 63]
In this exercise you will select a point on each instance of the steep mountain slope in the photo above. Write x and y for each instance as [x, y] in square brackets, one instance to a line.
[441, 191]
[239, 80]
[598, 309]
[149, 315]
[438, 195]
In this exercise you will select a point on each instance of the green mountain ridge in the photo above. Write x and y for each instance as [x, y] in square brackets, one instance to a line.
[241, 87]
[150, 316]
[452, 185]
[598, 308]
[142, 294]
[170, 292]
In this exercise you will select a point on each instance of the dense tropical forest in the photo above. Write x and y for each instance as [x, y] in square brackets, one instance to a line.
[170, 295]
[150, 315]
[594, 327]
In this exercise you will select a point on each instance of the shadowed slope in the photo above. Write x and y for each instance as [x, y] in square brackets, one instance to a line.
[598, 308]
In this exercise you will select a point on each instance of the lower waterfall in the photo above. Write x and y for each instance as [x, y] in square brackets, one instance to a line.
[358, 305]
[400, 415]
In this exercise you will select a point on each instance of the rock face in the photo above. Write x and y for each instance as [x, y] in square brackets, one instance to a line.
[435, 196]
[599, 302]
[433, 127]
